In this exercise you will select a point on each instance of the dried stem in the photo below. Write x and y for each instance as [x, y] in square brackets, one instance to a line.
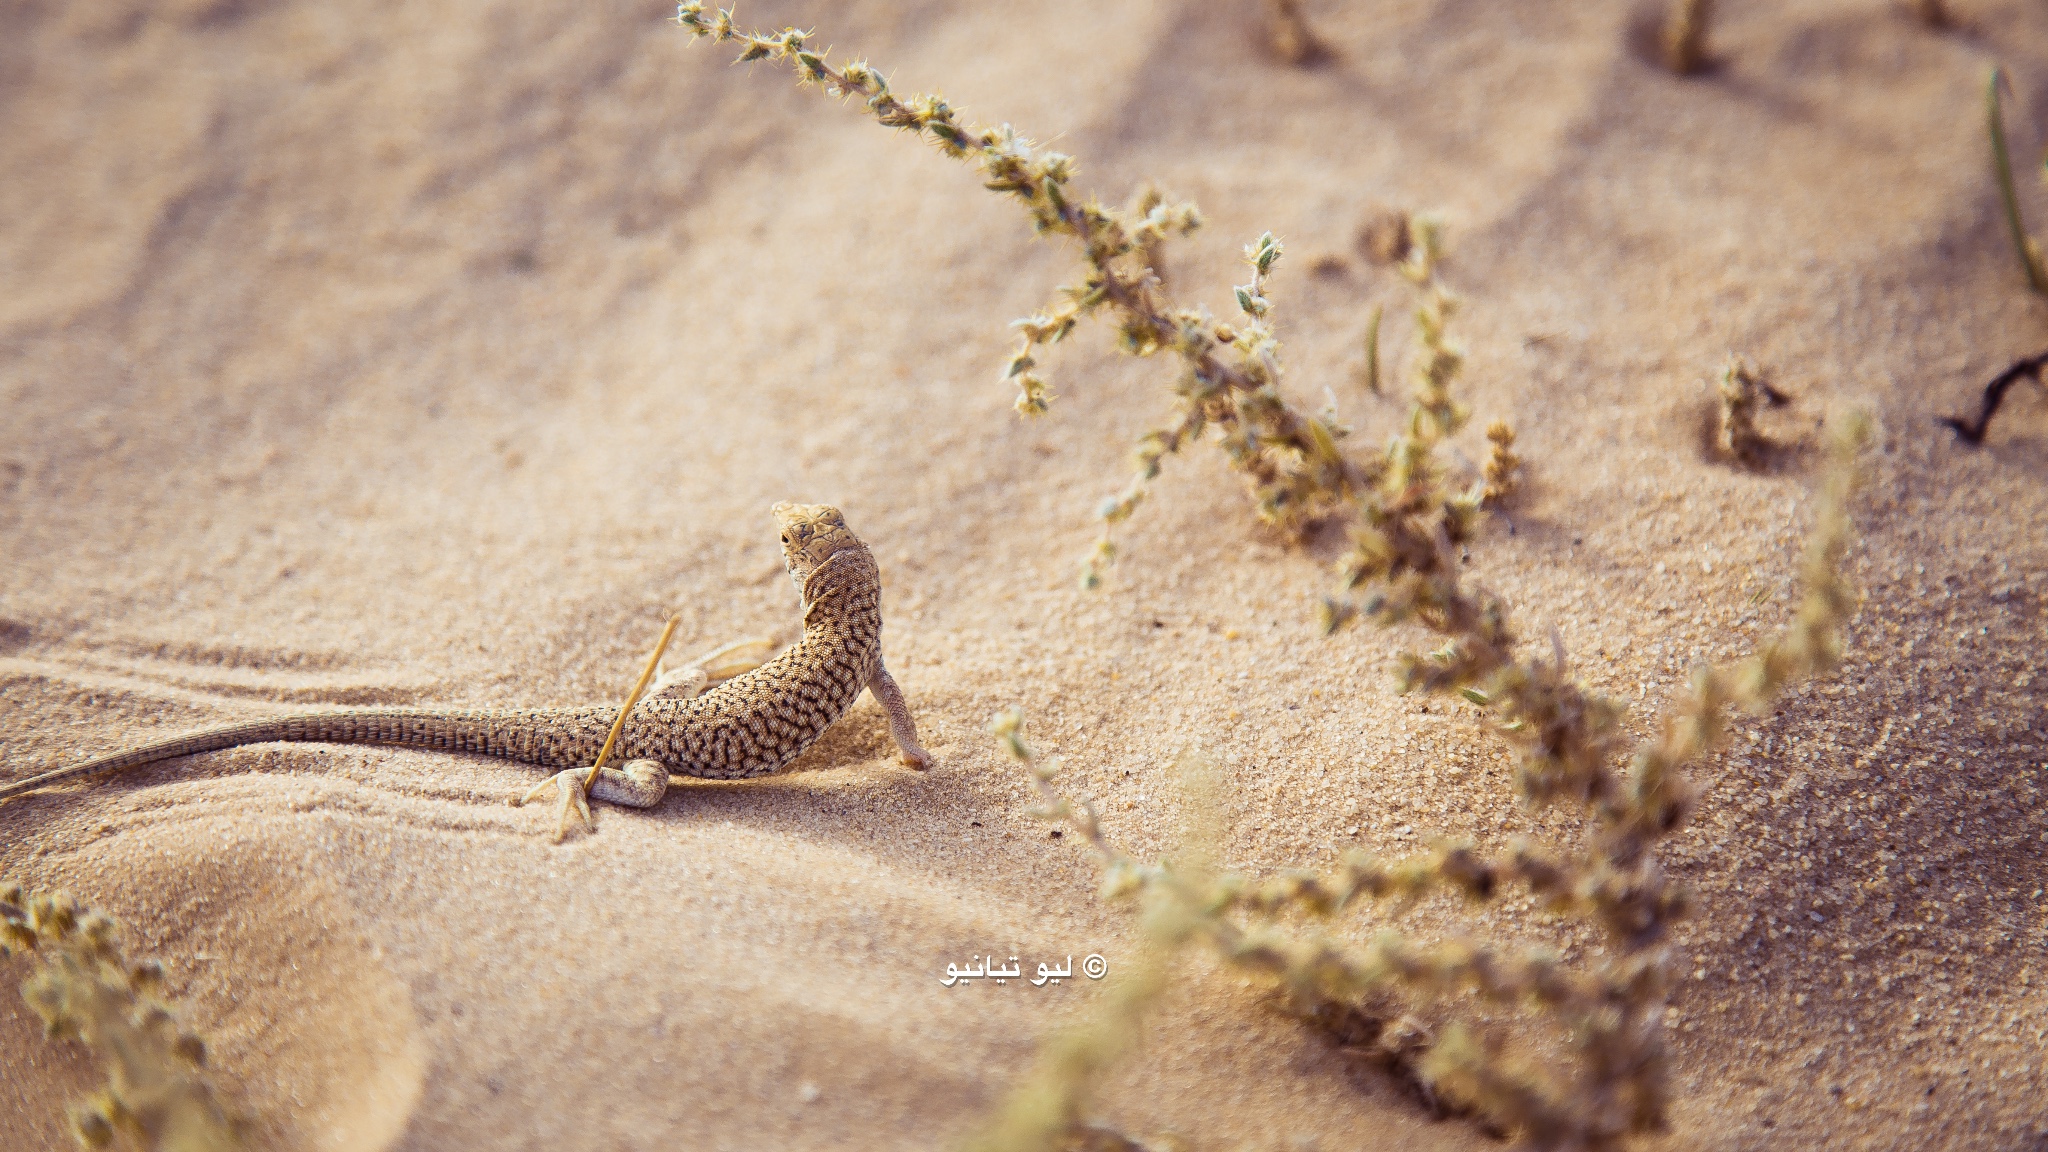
[1685, 36]
[1371, 374]
[2001, 160]
[1289, 34]
[157, 1095]
[1569, 746]
[1230, 373]
[1742, 391]
[668, 632]
[1046, 1112]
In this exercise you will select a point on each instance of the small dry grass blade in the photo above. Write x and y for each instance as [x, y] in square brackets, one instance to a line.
[632, 698]
[2001, 158]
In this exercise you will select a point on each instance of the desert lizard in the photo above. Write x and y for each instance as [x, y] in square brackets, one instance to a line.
[753, 724]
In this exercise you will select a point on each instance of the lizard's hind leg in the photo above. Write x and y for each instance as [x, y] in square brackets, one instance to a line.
[709, 670]
[640, 784]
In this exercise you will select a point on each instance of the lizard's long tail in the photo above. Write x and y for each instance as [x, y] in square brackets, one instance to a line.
[549, 738]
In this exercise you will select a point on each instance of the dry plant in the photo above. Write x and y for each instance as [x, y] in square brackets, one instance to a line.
[1742, 390]
[1608, 1015]
[1406, 520]
[1229, 383]
[1369, 372]
[1048, 1111]
[157, 1096]
[1503, 469]
[1289, 35]
[1385, 238]
[1684, 38]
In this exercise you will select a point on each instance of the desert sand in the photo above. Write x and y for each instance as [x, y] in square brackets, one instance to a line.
[433, 353]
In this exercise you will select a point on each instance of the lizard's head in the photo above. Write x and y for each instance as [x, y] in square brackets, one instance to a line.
[811, 533]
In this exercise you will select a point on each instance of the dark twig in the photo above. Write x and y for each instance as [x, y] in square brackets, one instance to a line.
[1972, 431]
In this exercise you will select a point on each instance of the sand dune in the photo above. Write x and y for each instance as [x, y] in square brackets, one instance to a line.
[417, 352]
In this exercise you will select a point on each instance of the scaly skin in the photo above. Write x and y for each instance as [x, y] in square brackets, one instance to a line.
[752, 725]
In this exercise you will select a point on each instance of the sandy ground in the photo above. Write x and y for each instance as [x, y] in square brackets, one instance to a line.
[424, 352]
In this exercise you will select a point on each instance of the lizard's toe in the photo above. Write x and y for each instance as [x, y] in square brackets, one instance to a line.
[575, 807]
[570, 783]
[533, 792]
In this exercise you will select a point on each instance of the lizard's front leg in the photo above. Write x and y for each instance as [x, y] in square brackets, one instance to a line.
[901, 726]
[640, 784]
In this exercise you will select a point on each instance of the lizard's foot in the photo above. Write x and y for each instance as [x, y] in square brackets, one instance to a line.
[570, 783]
[640, 784]
[712, 668]
[636, 784]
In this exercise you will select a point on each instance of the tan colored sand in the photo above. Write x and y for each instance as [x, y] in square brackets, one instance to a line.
[404, 352]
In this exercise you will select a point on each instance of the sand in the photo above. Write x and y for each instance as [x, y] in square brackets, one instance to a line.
[423, 352]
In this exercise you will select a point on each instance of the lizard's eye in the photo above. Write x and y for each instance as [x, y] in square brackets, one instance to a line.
[785, 537]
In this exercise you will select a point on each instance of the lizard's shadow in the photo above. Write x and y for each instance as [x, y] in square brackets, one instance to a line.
[860, 735]
[856, 741]
[849, 784]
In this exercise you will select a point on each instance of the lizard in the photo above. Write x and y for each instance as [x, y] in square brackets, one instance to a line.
[763, 715]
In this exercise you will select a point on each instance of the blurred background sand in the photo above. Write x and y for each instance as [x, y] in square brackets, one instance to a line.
[424, 352]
